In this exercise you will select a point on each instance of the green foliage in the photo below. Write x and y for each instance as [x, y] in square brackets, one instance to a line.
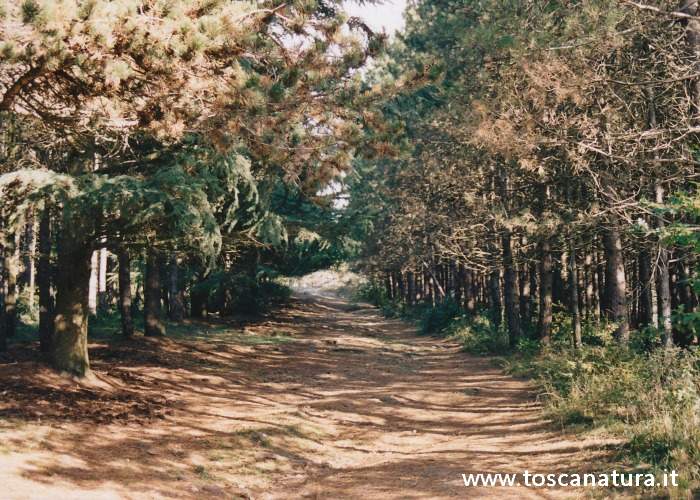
[436, 319]
[478, 335]
[650, 398]
[232, 293]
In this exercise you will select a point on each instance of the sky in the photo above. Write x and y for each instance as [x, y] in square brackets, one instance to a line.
[387, 16]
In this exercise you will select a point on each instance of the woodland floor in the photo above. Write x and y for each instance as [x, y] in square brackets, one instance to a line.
[322, 399]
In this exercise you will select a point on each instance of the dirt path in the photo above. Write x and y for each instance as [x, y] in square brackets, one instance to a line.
[323, 400]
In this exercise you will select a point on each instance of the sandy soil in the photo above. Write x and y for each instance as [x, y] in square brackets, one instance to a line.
[321, 400]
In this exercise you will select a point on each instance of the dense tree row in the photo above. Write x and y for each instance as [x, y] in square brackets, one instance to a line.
[538, 170]
[144, 146]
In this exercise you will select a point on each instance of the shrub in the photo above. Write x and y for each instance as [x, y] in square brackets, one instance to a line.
[478, 335]
[436, 319]
[650, 398]
[241, 293]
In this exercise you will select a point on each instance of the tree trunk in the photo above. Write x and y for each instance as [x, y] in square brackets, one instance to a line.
[616, 282]
[102, 296]
[534, 301]
[94, 279]
[589, 283]
[471, 291]
[510, 290]
[125, 305]
[602, 287]
[3, 333]
[559, 278]
[153, 324]
[525, 297]
[69, 350]
[410, 278]
[400, 285]
[646, 302]
[198, 300]
[177, 297]
[663, 279]
[495, 297]
[11, 271]
[573, 297]
[685, 290]
[46, 323]
[459, 280]
[546, 281]
[29, 263]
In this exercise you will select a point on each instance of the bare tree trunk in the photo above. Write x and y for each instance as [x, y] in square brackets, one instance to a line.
[411, 288]
[69, 349]
[685, 290]
[401, 283]
[646, 285]
[3, 328]
[470, 291]
[495, 297]
[46, 323]
[29, 262]
[177, 296]
[152, 312]
[534, 297]
[589, 280]
[602, 286]
[546, 281]
[102, 297]
[510, 290]
[663, 278]
[94, 281]
[125, 303]
[11, 269]
[525, 286]
[573, 299]
[459, 279]
[616, 281]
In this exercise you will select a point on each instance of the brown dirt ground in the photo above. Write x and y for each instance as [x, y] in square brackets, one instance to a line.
[322, 399]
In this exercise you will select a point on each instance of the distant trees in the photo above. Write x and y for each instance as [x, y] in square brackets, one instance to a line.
[541, 162]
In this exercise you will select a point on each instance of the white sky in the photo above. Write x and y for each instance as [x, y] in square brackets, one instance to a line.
[387, 16]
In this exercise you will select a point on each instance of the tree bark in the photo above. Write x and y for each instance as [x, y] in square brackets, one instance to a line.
[546, 281]
[471, 291]
[510, 290]
[177, 297]
[102, 296]
[616, 282]
[601, 286]
[94, 279]
[125, 302]
[495, 297]
[11, 269]
[69, 350]
[573, 298]
[646, 302]
[524, 284]
[29, 262]
[411, 288]
[46, 323]
[663, 279]
[3, 333]
[685, 290]
[152, 312]
[589, 281]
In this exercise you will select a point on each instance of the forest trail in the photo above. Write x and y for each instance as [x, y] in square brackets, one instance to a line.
[323, 399]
